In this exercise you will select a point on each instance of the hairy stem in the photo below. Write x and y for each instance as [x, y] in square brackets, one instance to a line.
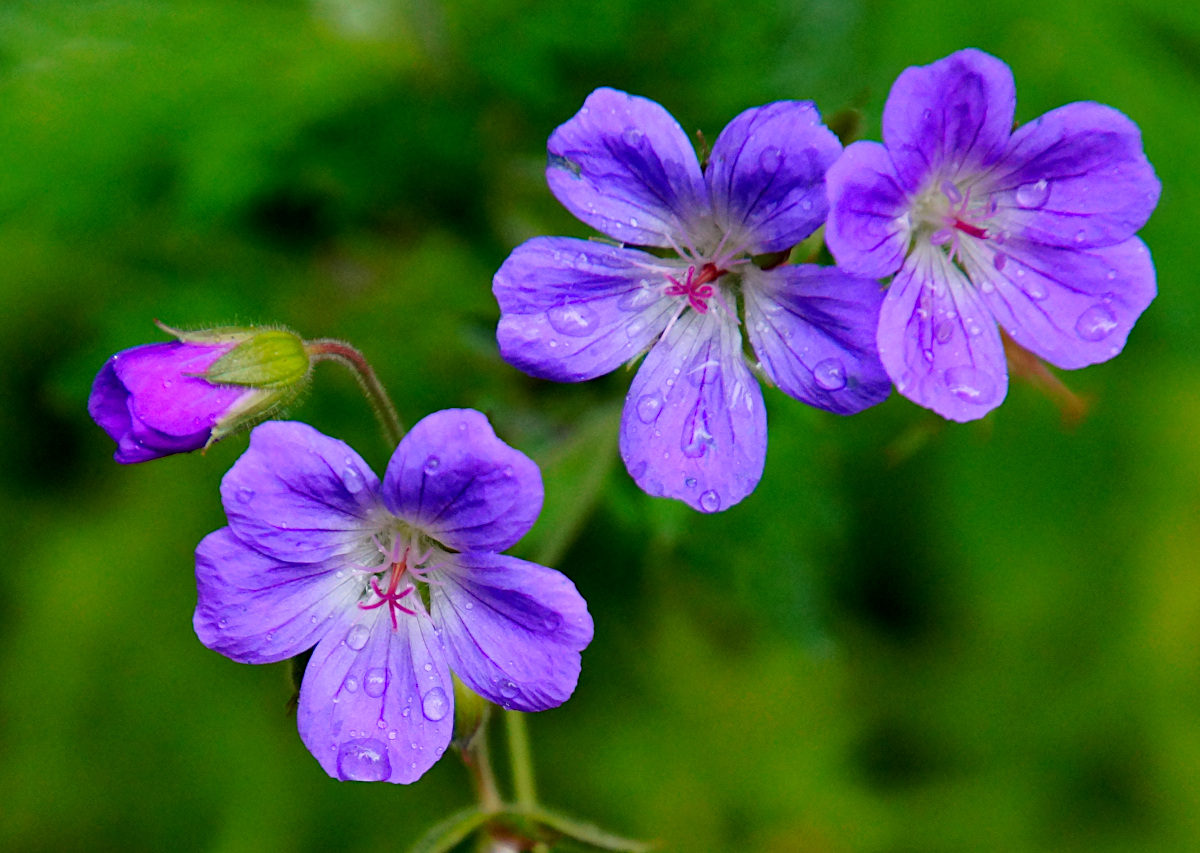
[328, 349]
[519, 756]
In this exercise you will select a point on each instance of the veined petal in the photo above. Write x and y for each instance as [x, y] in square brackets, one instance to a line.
[164, 397]
[624, 166]
[377, 705]
[694, 427]
[572, 310]
[461, 485]
[513, 630]
[1072, 308]
[938, 341]
[869, 227]
[813, 329]
[766, 176]
[256, 609]
[300, 496]
[1077, 177]
[948, 118]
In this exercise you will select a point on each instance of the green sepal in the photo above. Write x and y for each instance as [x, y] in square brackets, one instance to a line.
[470, 712]
[267, 358]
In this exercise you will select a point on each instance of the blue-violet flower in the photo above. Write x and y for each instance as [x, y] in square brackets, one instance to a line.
[1032, 229]
[396, 584]
[694, 426]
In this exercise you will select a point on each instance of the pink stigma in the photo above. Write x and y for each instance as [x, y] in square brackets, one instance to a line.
[973, 230]
[696, 288]
[391, 597]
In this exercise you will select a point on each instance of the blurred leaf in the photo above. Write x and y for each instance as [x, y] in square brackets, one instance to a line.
[586, 833]
[452, 831]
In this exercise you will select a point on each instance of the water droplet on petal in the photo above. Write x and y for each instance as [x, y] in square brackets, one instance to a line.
[364, 760]
[710, 501]
[830, 374]
[971, 385]
[648, 407]
[576, 319]
[1033, 196]
[431, 464]
[633, 222]
[353, 479]
[428, 667]
[636, 300]
[999, 260]
[632, 136]
[351, 684]
[770, 159]
[690, 482]
[392, 734]
[435, 705]
[375, 682]
[245, 495]
[508, 690]
[357, 636]
[1080, 236]
[943, 331]
[1096, 323]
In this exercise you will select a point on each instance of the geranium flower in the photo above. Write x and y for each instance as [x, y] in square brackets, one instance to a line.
[1030, 229]
[694, 426]
[396, 585]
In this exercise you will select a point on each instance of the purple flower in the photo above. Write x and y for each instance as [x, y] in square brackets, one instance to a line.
[152, 401]
[396, 584]
[694, 427]
[1030, 229]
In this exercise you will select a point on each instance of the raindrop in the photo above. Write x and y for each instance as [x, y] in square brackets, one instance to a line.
[245, 495]
[508, 690]
[636, 300]
[1080, 235]
[356, 637]
[648, 407]
[999, 260]
[710, 501]
[770, 159]
[364, 760]
[431, 464]
[351, 684]
[633, 222]
[1096, 323]
[167, 383]
[375, 682]
[830, 374]
[353, 479]
[632, 136]
[1033, 196]
[576, 320]
[428, 667]
[970, 385]
[944, 331]
[690, 482]
[404, 713]
[392, 734]
[435, 705]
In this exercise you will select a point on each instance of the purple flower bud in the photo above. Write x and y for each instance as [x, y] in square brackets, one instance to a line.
[175, 397]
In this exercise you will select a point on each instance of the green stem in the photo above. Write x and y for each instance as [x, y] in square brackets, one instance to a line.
[479, 763]
[521, 760]
[328, 349]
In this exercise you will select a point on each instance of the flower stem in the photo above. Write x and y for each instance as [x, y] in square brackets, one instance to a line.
[521, 759]
[479, 763]
[328, 349]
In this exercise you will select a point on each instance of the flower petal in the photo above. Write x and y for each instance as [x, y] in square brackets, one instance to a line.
[299, 495]
[869, 228]
[256, 609]
[624, 166]
[1077, 177]
[766, 176]
[162, 394]
[461, 485]
[572, 310]
[377, 705]
[938, 341]
[813, 329]
[514, 630]
[694, 427]
[950, 118]
[1070, 308]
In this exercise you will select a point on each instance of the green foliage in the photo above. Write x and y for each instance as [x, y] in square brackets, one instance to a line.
[914, 637]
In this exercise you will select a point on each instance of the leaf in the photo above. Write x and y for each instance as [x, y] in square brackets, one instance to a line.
[586, 833]
[451, 831]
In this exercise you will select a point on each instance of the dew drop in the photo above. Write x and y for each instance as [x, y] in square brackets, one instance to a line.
[244, 495]
[1096, 323]
[1033, 196]
[381, 724]
[830, 374]
[632, 136]
[392, 734]
[431, 464]
[770, 159]
[356, 637]
[364, 760]
[404, 713]
[999, 260]
[1080, 235]
[351, 684]
[167, 383]
[633, 222]
[648, 407]
[710, 501]
[575, 320]
[375, 682]
[428, 667]
[944, 331]
[636, 300]
[435, 705]
[970, 385]
[690, 482]
[805, 204]
[353, 479]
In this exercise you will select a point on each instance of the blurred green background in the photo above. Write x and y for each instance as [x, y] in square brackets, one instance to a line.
[915, 637]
